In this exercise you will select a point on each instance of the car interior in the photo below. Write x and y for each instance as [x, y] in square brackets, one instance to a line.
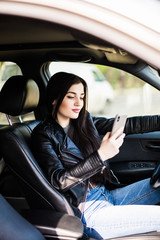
[32, 44]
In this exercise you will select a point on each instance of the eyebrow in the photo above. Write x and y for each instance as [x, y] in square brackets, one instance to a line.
[74, 93]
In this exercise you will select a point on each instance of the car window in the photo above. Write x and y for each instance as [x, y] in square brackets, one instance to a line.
[98, 76]
[113, 91]
[132, 95]
[7, 70]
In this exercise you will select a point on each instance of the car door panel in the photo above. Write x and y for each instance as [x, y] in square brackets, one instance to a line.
[137, 158]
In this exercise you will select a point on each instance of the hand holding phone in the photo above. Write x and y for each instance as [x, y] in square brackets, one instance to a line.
[119, 122]
[110, 147]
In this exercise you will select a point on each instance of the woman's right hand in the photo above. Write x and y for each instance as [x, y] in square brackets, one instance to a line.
[110, 145]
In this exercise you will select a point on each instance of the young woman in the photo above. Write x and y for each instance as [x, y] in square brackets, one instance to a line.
[74, 149]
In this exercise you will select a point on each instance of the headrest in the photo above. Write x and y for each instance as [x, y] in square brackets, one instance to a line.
[19, 95]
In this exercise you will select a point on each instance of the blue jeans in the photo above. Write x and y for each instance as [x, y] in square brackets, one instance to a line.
[123, 211]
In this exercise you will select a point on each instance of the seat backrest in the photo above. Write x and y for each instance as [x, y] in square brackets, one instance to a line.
[15, 149]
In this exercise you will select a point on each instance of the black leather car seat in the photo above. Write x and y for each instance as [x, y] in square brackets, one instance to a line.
[20, 95]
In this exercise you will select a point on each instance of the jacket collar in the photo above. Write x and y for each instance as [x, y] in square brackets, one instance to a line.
[67, 145]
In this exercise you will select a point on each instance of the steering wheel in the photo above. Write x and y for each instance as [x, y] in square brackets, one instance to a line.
[155, 179]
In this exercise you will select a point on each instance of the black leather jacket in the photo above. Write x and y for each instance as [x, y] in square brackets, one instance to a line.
[62, 161]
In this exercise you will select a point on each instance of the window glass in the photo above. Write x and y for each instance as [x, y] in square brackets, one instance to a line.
[113, 91]
[132, 95]
[7, 70]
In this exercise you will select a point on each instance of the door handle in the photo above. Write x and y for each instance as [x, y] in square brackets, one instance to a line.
[153, 146]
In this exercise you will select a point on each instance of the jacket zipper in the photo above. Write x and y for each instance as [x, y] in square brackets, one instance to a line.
[81, 208]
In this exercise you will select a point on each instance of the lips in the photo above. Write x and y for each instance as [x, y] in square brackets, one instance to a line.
[76, 110]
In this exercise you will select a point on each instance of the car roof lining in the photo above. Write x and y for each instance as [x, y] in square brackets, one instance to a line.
[20, 42]
[30, 31]
[27, 36]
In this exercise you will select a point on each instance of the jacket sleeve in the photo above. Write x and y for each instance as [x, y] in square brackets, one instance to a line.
[60, 177]
[140, 124]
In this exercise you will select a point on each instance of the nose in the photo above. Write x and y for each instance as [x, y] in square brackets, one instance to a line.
[78, 101]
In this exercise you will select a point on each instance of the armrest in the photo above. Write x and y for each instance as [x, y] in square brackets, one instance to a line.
[52, 223]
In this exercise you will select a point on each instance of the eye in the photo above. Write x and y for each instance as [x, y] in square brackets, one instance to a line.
[82, 97]
[70, 97]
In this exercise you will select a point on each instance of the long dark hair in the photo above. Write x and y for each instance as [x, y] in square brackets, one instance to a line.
[81, 129]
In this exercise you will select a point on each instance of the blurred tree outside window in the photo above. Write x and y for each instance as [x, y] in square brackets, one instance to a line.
[132, 95]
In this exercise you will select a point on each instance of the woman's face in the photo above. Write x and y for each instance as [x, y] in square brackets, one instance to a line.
[71, 105]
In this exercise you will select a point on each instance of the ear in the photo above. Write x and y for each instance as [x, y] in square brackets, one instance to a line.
[54, 102]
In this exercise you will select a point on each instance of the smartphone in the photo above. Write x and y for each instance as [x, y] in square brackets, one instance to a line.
[119, 121]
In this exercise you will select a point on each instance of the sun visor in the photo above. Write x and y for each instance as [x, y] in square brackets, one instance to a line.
[119, 56]
[114, 54]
